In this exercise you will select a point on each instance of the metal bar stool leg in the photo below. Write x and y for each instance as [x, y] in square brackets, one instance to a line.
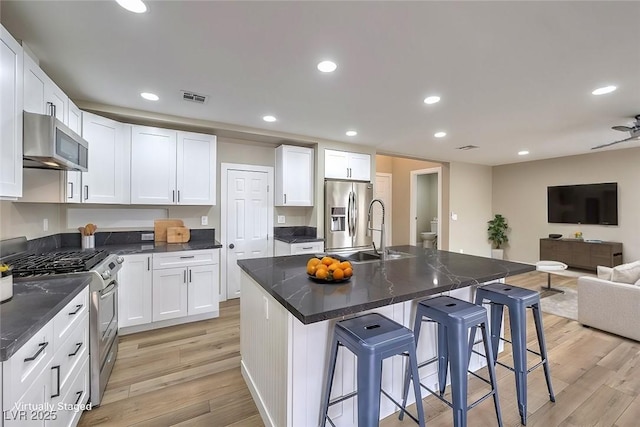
[495, 327]
[329, 380]
[491, 367]
[458, 354]
[413, 362]
[417, 325]
[517, 322]
[443, 357]
[369, 385]
[537, 318]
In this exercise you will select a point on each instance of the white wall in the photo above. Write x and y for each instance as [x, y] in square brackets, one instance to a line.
[470, 199]
[26, 219]
[520, 194]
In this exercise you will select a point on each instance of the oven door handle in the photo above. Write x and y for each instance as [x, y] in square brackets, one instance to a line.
[109, 290]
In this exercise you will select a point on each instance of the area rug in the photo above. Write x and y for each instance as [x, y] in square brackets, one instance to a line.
[564, 305]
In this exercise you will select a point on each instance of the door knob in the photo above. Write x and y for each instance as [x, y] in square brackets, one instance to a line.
[231, 246]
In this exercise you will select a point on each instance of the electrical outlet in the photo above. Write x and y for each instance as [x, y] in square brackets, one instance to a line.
[45, 224]
[454, 216]
[281, 219]
[204, 220]
[147, 236]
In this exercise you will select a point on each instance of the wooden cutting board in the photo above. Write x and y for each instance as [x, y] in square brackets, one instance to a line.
[160, 228]
[178, 234]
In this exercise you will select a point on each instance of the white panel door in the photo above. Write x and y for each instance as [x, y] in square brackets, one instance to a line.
[105, 181]
[336, 164]
[73, 183]
[360, 167]
[196, 169]
[135, 291]
[153, 166]
[11, 105]
[203, 289]
[383, 192]
[247, 222]
[169, 293]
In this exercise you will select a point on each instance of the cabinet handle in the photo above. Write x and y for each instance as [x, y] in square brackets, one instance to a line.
[173, 197]
[178, 196]
[78, 308]
[189, 276]
[78, 347]
[86, 192]
[52, 109]
[57, 368]
[347, 172]
[187, 257]
[79, 393]
[70, 196]
[308, 247]
[285, 199]
[148, 263]
[184, 276]
[42, 345]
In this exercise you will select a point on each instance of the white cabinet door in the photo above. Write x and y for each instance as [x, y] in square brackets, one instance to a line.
[11, 105]
[107, 178]
[196, 169]
[360, 167]
[169, 294]
[135, 291]
[153, 166]
[55, 98]
[73, 179]
[336, 164]
[203, 289]
[34, 83]
[294, 176]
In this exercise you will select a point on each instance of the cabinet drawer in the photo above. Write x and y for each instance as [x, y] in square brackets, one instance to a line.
[75, 392]
[306, 248]
[185, 259]
[28, 363]
[70, 316]
[69, 356]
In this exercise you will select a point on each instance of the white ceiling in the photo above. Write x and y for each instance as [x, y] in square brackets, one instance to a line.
[512, 75]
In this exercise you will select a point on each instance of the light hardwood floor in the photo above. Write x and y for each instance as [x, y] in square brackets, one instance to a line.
[189, 375]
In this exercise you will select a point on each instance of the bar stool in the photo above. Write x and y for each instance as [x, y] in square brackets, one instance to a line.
[372, 338]
[517, 300]
[454, 318]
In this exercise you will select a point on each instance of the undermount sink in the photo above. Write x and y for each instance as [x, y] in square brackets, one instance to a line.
[371, 256]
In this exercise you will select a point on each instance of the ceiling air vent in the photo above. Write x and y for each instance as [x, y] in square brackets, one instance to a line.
[194, 97]
[467, 147]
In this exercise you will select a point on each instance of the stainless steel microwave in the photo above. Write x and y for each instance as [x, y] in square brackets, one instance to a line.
[50, 144]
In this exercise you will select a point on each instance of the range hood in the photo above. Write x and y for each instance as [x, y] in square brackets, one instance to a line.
[50, 144]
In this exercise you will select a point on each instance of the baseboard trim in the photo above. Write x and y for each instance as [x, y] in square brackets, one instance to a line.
[164, 323]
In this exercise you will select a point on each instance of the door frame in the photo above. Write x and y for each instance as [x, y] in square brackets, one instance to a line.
[388, 209]
[413, 206]
[224, 170]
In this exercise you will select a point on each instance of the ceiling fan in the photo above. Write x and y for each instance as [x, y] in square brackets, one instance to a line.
[634, 133]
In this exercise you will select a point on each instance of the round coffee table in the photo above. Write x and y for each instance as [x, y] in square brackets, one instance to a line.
[550, 267]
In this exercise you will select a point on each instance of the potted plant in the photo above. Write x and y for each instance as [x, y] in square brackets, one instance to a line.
[497, 230]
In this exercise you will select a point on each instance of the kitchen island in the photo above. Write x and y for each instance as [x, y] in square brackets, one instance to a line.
[286, 321]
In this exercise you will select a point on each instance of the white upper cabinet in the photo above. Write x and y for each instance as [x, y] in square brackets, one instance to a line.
[294, 176]
[153, 166]
[107, 178]
[170, 167]
[196, 169]
[72, 180]
[346, 165]
[11, 105]
[41, 95]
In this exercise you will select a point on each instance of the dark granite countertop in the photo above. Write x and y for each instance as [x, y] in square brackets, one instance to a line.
[151, 247]
[296, 234]
[34, 303]
[374, 284]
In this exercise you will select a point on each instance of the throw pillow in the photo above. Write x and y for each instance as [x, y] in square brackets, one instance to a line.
[604, 273]
[626, 273]
[638, 282]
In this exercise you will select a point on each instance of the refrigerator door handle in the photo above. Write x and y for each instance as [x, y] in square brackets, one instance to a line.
[349, 216]
[355, 214]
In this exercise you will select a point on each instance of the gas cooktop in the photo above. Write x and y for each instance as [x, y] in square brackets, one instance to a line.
[49, 263]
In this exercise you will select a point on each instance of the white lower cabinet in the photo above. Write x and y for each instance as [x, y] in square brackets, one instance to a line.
[165, 289]
[44, 380]
[283, 248]
[134, 291]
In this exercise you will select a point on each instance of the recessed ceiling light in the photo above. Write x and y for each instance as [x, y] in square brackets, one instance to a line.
[149, 96]
[431, 99]
[327, 66]
[523, 153]
[269, 118]
[604, 90]
[440, 134]
[351, 133]
[135, 6]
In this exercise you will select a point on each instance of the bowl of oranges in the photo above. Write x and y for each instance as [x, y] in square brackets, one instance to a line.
[329, 270]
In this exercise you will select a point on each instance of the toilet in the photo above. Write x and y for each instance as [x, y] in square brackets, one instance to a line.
[429, 237]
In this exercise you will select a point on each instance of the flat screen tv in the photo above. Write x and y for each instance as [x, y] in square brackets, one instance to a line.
[583, 204]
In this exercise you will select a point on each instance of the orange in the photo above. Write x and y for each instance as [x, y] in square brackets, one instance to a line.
[348, 272]
[327, 260]
[338, 274]
[313, 261]
[345, 264]
[333, 266]
[321, 273]
[311, 269]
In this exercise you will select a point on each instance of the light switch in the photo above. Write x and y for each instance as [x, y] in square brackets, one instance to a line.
[281, 219]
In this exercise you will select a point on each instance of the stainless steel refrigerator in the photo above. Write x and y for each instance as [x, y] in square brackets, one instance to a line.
[345, 214]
